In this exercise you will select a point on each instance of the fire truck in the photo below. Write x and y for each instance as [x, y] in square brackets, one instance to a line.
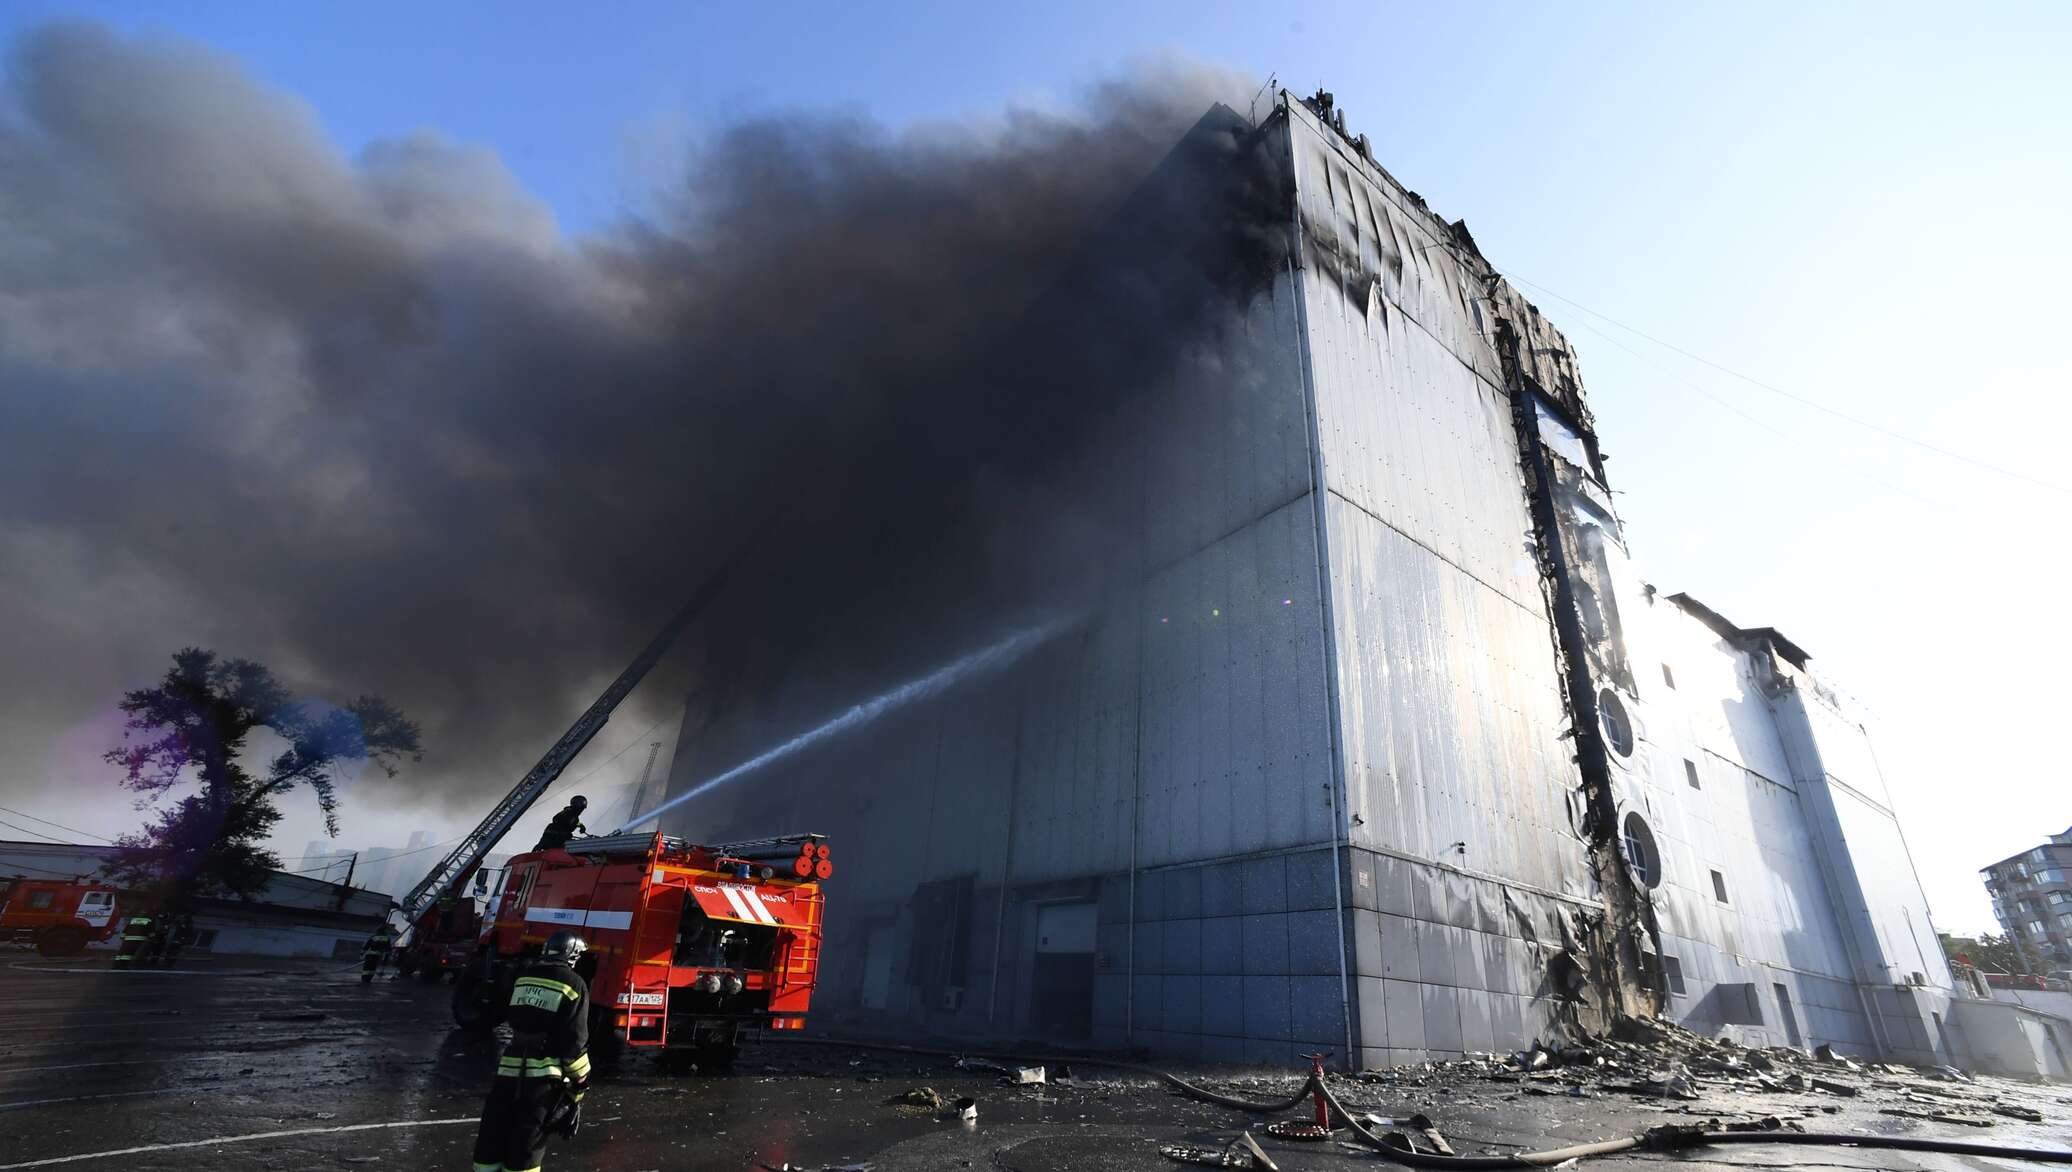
[59, 916]
[689, 944]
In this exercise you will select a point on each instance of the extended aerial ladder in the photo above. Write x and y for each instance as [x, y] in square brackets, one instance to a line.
[453, 871]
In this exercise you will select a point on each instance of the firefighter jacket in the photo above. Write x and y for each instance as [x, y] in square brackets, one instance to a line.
[549, 1018]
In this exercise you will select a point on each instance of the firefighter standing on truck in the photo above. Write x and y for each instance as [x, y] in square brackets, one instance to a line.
[541, 1078]
[566, 825]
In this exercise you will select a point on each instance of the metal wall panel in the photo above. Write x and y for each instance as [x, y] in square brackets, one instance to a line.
[1180, 720]
[1449, 699]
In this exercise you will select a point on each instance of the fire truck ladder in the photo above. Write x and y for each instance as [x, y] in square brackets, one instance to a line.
[465, 857]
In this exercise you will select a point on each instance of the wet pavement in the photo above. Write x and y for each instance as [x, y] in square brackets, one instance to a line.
[182, 1070]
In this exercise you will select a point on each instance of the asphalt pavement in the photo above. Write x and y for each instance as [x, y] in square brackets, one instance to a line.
[225, 1066]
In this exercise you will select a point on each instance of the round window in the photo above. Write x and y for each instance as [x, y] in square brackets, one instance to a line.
[1618, 731]
[1640, 852]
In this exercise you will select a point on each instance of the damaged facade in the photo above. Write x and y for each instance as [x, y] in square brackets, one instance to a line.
[1381, 747]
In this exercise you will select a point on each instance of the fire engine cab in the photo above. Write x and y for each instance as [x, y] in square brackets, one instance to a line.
[689, 944]
[59, 916]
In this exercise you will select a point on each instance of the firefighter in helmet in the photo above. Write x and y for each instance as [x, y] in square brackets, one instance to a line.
[179, 934]
[136, 933]
[566, 825]
[374, 953]
[540, 1080]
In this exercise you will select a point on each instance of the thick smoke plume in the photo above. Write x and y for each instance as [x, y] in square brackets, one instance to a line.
[376, 422]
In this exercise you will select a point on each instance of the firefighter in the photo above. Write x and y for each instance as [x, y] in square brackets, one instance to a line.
[566, 825]
[541, 1078]
[373, 954]
[135, 934]
[153, 954]
[179, 934]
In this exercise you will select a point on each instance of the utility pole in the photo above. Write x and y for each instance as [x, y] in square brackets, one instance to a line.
[345, 889]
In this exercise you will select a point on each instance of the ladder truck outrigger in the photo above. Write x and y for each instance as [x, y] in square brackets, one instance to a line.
[688, 943]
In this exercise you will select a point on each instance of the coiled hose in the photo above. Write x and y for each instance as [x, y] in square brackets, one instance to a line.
[1660, 1139]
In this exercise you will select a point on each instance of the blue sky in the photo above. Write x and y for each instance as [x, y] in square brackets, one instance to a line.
[1863, 205]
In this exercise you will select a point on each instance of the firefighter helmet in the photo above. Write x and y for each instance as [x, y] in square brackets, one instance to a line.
[579, 801]
[563, 948]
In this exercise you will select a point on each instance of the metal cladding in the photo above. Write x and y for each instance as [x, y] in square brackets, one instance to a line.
[1361, 739]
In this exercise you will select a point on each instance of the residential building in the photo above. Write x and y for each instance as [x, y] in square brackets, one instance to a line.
[2032, 896]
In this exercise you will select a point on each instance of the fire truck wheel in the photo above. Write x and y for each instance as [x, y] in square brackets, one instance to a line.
[714, 1051]
[63, 940]
[472, 1002]
[607, 1044]
[716, 1058]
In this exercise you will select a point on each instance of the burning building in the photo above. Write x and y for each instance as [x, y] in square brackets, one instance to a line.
[1328, 711]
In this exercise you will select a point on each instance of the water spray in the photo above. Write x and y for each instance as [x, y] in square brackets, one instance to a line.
[986, 659]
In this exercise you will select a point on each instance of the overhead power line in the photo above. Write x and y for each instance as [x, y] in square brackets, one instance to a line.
[59, 825]
[1751, 380]
[38, 833]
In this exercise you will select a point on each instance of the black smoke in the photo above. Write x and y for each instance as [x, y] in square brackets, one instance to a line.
[376, 422]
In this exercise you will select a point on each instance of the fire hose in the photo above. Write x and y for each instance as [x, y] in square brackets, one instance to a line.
[1659, 1139]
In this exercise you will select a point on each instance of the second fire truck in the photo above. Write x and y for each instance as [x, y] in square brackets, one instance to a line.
[60, 917]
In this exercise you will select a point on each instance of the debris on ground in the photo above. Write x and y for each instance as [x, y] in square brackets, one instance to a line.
[965, 1109]
[1011, 1075]
[1242, 1152]
[927, 1097]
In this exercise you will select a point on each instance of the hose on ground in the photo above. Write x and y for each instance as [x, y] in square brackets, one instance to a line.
[1172, 1080]
[1661, 1139]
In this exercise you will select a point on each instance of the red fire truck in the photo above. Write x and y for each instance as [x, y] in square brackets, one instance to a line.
[689, 944]
[59, 916]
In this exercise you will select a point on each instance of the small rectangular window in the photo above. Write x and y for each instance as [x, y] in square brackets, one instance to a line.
[1719, 887]
[1691, 773]
[1672, 970]
[532, 872]
[1668, 678]
[38, 900]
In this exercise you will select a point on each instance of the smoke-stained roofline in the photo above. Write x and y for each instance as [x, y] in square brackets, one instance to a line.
[1539, 352]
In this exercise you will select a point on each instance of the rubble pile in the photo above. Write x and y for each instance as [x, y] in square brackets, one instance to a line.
[1656, 1060]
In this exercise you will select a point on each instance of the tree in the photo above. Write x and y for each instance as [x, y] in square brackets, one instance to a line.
[1990, 953]
[191, 728]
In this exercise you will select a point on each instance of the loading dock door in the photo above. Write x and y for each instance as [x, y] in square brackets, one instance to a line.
[1062, 991]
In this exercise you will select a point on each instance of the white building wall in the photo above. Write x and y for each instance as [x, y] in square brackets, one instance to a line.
[1449, 703]
[1778, 925]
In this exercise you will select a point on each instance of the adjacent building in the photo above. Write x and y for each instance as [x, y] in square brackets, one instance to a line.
[2032, 896]
[1379, 746]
